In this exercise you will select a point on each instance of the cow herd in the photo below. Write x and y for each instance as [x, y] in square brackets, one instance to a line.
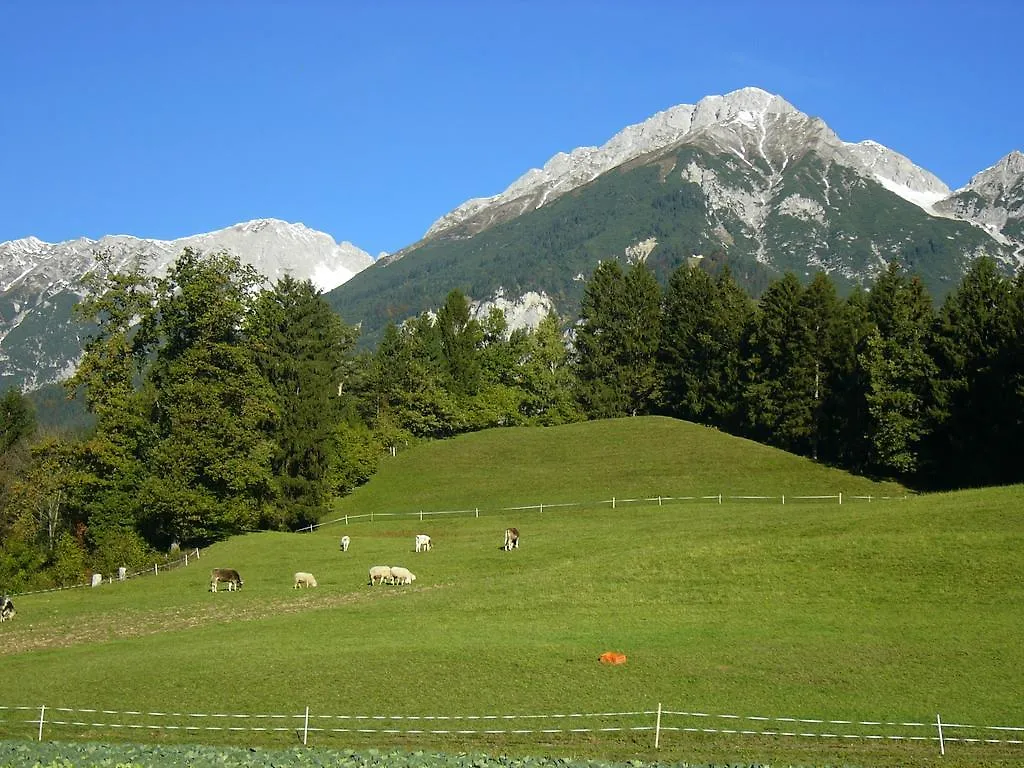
[379, 574]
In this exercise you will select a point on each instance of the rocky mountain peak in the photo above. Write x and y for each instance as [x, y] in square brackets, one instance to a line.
[567, 171]
[994, 200]
[750, 122]
[746, 104]
[1004, 174]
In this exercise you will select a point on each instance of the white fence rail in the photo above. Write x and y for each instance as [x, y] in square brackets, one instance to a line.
[190, 556]
[658, 723]
[614, 502]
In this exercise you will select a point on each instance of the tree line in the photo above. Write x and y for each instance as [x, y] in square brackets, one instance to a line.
[222, 405]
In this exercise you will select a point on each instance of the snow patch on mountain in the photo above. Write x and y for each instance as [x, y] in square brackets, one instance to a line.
[898, 174]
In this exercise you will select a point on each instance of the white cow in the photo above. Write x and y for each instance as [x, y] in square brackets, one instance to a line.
[304, 579]
[345, 541]
[97, 579]
[511, 539]
[423, 543]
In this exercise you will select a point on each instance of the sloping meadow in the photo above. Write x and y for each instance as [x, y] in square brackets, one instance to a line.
[737, 618]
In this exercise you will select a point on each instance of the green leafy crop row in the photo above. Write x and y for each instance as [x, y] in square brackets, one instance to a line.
[53, 754]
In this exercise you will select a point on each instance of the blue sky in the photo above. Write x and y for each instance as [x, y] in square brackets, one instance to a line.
[370, 120]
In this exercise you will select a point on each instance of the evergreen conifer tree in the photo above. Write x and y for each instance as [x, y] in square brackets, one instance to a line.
[302, 348]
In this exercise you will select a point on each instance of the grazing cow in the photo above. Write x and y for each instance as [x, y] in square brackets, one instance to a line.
[227, 575]
[423, 543]
[345, 541]
[380, 574]
[511, 539]
[303, 579]
[97, 579]
[6, 608]
[400, 575]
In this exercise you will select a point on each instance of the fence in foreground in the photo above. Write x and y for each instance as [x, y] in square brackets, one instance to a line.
[660, 724]
[613, 502]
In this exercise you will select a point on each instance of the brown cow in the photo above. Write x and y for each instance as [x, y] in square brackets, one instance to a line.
[511, 539]
[228, 575]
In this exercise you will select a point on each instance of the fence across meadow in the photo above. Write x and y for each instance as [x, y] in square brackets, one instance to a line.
[660, 724]
[614, 502]
[123, 574]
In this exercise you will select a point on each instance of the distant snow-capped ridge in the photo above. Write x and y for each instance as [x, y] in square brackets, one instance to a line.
[272, 246]
[720, 120]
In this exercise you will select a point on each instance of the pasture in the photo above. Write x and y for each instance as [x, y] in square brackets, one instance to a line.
[891, 610]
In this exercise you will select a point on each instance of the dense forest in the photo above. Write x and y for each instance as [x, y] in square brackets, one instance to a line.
[221, 405]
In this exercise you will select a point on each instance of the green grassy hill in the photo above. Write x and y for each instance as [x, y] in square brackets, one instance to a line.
[591, 462]
[891, 611]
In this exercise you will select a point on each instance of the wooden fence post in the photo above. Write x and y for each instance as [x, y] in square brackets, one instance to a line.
[42, 716]
[657, 728]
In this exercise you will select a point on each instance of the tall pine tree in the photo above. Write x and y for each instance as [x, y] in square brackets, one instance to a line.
[302, 348]
[780, 366]
[976, 439]
[899, 372]
[700, 352]
[617, 341]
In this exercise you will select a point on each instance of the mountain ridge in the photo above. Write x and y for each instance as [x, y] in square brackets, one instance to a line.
[40, 282]
[566, 171]
[746, 176]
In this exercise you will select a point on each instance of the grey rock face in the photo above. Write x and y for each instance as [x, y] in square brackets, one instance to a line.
[993, 198]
